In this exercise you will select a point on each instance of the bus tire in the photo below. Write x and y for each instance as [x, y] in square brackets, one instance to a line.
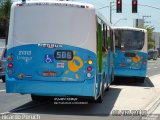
[100, 98]
[107, 89]
[112, 76]
[3, 79]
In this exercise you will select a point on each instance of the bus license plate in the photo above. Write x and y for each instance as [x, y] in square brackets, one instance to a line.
[50, 74]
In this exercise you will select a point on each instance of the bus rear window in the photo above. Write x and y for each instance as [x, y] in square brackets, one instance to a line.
[52, 24]
[129, 40]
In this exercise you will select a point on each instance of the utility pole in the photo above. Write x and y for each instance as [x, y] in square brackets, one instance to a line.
[111, 5]
[111, 8]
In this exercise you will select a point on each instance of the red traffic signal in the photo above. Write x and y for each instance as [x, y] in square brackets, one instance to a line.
[134, 6]
[119, 6]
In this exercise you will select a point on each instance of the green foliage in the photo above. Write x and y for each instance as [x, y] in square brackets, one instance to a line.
[5, 6]
[151, 42]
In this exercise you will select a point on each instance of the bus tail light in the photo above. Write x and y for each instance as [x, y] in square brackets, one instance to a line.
[144, 62]
[10, 72]
[10, 59]
[10, 65]
[90, 62]
[89, 68]
[89, 75]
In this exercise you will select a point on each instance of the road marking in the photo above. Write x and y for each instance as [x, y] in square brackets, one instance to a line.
[2, 90]
[155, 67]
[148, 68]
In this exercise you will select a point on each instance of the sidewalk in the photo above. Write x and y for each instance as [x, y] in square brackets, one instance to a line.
[153, 109]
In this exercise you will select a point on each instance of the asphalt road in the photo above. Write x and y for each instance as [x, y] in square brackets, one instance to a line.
[153, 67]
[16, 103]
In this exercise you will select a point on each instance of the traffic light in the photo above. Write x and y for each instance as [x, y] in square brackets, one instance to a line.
[134, 6]
[119, 6]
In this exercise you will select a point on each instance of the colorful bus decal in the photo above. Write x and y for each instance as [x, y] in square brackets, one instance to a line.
[46, 64]
[137, 61]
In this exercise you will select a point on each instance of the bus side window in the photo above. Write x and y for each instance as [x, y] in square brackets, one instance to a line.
[104, 45]
[111, 40]
[106, 37]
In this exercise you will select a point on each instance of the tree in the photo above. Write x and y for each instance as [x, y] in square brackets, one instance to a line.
[5, 7]
[151, 42]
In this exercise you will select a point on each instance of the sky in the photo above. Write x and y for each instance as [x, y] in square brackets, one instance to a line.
[127, 12]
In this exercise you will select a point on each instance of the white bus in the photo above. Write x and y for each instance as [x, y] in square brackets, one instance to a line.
[58, 48]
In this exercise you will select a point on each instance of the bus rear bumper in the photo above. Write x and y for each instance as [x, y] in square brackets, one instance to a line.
[130, 73]
[48, 88]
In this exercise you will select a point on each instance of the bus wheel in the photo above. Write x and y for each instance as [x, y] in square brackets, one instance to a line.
[112, 76]
[3, 79]
[37, 98]
[107, 89]
[100, 98]
[107, 86]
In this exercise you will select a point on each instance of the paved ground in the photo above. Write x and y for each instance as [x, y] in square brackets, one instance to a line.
[153, 67]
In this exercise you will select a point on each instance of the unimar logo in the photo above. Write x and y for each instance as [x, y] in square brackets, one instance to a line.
[49, 45]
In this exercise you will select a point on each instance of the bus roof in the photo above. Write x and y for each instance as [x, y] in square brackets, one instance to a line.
[56, 3]
[129, 28]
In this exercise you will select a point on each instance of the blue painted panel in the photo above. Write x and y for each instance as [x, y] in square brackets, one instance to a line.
[38, 61]
[36, 71]
[130, 66]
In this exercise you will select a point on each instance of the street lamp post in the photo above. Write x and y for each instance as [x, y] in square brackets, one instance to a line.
[111, 5]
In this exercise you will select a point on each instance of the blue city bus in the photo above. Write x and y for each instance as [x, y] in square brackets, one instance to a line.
[130, 52]
[59, 48]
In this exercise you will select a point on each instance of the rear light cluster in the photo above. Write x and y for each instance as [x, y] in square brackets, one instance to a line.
[89, 68]
[10, 59]
[144, 62]
[10, 65]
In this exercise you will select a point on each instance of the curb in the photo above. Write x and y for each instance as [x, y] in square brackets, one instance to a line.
[152, 106]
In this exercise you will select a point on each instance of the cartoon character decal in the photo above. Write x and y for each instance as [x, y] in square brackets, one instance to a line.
[74, 65]
[136, 59]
